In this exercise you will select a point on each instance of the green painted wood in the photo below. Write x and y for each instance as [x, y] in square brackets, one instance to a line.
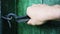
[48, 28]
[51, 2]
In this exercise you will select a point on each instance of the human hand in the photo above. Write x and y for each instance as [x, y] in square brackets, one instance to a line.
[39, 13]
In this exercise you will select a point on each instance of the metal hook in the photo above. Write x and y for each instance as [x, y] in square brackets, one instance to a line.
[18, 19]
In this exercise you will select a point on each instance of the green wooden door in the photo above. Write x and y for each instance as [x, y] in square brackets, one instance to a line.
[50, 27]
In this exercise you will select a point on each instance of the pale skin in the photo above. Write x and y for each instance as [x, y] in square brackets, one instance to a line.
[39, 13]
